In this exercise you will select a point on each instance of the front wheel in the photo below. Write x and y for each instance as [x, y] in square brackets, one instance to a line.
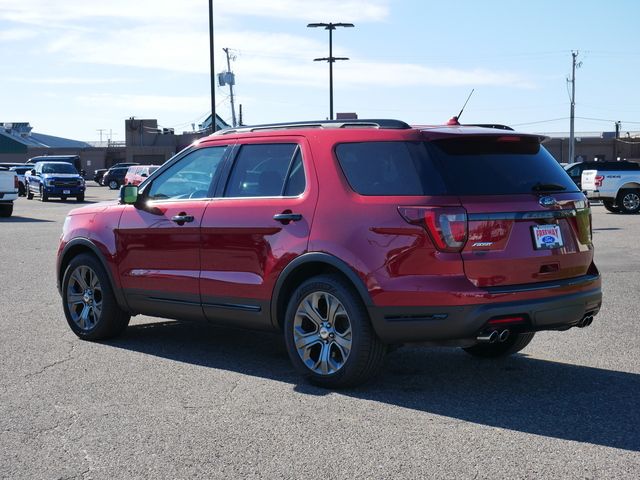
[80, 198]
[629, 201]
[329, 336]
[43, 195]
[513, 344]
[29, 194]
[88, 300]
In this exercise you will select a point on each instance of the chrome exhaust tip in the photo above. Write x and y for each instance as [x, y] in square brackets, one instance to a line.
[585, 321]
[504, 335]
[488, 337]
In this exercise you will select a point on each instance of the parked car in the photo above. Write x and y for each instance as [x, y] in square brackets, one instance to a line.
[575, 169]
[20, 172]
[349, 237]
[54, 179]
[619, 189]
[114, 177]
[72, 159]
[98, 174]
[139, 173]
[8, 191]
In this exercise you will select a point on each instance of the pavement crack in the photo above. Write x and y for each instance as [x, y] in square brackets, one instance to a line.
[54, 364]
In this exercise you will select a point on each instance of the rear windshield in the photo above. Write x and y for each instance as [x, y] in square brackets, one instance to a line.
[487, 165]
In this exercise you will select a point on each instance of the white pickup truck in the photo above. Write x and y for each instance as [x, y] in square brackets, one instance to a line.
[619, 190]
[8, 191]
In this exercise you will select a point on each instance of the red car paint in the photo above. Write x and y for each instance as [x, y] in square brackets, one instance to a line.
[229, 264]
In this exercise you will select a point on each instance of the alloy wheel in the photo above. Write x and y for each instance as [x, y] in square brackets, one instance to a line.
[322, 333]
[631, 201]
[84, 297]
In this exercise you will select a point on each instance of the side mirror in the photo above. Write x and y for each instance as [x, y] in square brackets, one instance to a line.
[129, 194]
[83, 173]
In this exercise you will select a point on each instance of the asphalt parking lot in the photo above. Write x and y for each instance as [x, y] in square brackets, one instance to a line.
[178, 400]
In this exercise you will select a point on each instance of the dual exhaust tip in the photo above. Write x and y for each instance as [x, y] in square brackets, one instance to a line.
[494, 336]
[585, 321]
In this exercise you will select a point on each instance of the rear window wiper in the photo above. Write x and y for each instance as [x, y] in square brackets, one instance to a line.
[547, 187]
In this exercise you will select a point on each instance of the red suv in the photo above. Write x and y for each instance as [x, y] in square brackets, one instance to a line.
[347, 236]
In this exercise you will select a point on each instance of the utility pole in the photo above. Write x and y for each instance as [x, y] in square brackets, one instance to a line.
[211, 70]
[230, 80]
[101, 130]
[572, 143]
[331, 59]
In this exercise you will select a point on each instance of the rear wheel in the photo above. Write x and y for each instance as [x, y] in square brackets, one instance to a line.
[609, 205]
[629, 201]
[113, 185]
[328, 334]
[513, 344]
[88, 300]
[6, 209]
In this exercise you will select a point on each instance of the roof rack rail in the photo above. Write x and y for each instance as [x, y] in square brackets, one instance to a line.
[365, 123]
[489, 125]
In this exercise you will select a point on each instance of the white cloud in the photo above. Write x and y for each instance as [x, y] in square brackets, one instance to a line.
[144, 105]
[14, 34]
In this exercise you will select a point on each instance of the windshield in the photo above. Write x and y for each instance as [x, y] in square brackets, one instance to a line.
[498, 165]
[58, 168]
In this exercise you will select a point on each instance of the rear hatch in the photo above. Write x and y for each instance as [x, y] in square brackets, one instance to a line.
[526, 220]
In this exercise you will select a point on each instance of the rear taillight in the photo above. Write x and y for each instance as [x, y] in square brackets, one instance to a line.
[598, 180]
[447, 226]
[16, 184]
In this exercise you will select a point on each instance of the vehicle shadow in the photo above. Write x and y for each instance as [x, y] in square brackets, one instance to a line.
[18, 219]
[569, 402]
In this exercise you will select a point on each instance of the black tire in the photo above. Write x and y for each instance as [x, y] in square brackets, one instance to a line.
[513, 344]
[43, 195]
[80, 198]
[111, 320]
[6, 209]
[366, 354]
[609, 205]
[29, 194]
[629, 200]
[21, 190]
[113, 185]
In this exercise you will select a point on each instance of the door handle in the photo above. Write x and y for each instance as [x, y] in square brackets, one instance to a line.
[287, 216]
[182, 218]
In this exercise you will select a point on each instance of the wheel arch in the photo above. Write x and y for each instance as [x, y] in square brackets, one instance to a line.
[78, 246]
[629, 186]
[306, 266]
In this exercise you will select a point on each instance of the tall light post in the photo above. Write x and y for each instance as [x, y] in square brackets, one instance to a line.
[211, 74]
[331, 59]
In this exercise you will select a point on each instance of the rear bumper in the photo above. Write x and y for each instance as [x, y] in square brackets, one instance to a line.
[464, 322]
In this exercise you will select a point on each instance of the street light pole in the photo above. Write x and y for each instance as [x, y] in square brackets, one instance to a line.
[331, 59]
[211, 74]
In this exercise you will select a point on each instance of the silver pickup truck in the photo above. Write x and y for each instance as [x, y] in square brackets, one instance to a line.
[619, 190]
[8, 191]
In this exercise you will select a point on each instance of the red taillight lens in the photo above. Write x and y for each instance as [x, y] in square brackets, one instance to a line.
[447, 226]
[16, 184]
[599, 179]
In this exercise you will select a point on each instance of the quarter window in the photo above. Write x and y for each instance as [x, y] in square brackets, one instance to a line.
[190, 177]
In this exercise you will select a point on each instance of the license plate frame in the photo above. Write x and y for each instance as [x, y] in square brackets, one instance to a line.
[547, 237]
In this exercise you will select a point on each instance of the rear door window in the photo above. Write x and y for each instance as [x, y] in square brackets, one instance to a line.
[266, 170]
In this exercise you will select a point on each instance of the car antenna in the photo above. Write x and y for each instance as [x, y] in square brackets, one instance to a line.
[455, 120]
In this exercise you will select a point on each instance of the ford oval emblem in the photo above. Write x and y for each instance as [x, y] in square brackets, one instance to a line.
[547, 201]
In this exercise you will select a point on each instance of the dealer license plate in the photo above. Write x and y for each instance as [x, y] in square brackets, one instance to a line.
[547, 236]
[66, 192]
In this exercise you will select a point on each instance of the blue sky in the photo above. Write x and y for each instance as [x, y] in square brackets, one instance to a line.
[71, 67]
